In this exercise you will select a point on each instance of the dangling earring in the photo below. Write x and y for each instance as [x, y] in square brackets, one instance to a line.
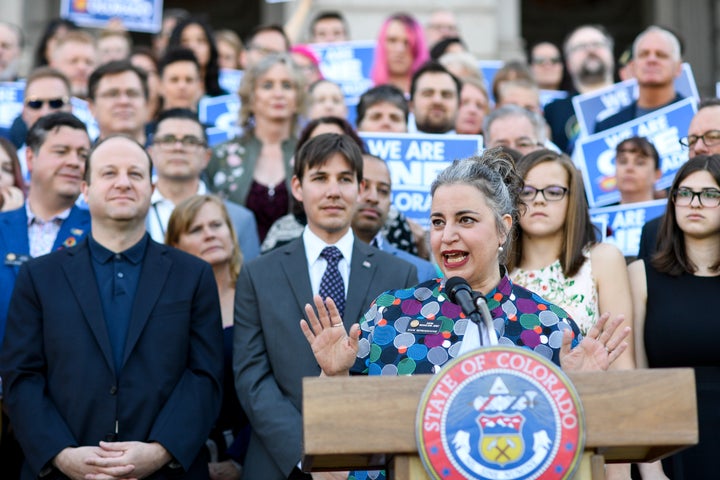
[500, 249]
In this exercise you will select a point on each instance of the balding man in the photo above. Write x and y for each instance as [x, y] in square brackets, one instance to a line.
[515, 127]
[656, 64]
[441, 24]
[121, 378]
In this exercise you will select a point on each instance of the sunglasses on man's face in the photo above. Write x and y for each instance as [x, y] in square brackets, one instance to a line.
[54, 103]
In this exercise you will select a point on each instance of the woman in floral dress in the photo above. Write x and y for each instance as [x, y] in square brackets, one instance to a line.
[556, 253]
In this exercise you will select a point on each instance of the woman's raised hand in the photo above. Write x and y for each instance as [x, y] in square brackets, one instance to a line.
[600, 347]
[334, 349]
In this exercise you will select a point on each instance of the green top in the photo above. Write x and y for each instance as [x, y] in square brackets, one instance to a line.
[231, 167]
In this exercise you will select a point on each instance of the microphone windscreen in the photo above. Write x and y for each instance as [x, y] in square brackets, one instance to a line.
[454, 285]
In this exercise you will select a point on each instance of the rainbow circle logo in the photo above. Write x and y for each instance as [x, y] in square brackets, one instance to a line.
[503, 413]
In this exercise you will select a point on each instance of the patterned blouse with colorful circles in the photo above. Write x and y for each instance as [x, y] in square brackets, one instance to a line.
[418, 330]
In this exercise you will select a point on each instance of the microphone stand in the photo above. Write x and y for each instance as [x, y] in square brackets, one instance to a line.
[484, 317]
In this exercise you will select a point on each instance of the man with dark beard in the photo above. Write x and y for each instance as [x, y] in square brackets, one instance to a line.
[434, 98]
[589, 60]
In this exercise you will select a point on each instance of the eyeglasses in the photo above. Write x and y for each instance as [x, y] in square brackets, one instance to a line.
[709, 138]
[116, 93]
[597, 44]
[708, 197]
[553, 193]
[54, 103]
[188, 141]
[519, 144]
[546, 60]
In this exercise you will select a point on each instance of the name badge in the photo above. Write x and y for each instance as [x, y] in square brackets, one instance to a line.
[15, 260]
[424, 326]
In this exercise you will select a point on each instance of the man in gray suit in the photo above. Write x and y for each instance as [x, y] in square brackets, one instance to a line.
[180, 153]
[271, 354]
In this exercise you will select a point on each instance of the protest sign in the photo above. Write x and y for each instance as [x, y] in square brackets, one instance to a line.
[82, 111]
[217, 135]
[229, 79]
[595, 155]
[222, 113]
[625, 222]
[547, 96]
[348, 64]
[489, 68]
[593, 107]
[11, 103]
[136, 15]
[414, 161]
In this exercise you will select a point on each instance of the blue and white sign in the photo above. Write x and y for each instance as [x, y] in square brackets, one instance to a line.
[216, 136]
[489, 69]
[414, 161]
[230, 79]
[596, 106]
[136, 15]
[222, 113]
[11, 102]
[625, 222]
[547, 96]
[595, 155]
[600, 224]
[81, 110]
[347, 64]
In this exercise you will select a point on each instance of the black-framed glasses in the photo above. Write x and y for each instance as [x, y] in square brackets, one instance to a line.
[552, 193]
[708, 197]
[54, 103]
[709, 138]
[188, 141]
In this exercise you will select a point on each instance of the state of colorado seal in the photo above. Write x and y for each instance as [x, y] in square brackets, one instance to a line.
[500, 413]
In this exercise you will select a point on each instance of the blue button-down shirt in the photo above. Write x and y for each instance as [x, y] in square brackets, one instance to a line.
[117, 276]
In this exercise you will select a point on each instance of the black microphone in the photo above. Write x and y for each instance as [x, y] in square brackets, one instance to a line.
[460, 293]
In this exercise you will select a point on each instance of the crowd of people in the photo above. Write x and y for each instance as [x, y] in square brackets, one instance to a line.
[161, 298]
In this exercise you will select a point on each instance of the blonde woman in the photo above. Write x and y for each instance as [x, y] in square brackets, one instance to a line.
[202, 227]
[254, 169]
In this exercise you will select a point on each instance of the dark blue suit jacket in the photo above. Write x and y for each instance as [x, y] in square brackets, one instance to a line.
[58, 373]
[14, 242]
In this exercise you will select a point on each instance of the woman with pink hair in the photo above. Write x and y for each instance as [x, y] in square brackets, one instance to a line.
[400, 51]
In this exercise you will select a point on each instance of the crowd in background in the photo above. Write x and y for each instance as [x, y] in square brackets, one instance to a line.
[247, 194]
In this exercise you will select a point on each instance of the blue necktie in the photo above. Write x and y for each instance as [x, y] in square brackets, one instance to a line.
[331, 284]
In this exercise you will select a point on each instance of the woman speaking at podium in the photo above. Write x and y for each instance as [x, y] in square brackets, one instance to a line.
[475, 203]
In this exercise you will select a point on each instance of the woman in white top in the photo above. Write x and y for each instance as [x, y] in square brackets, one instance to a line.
[556, 253]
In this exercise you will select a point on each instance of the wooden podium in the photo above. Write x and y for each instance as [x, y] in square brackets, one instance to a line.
[369, 422]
